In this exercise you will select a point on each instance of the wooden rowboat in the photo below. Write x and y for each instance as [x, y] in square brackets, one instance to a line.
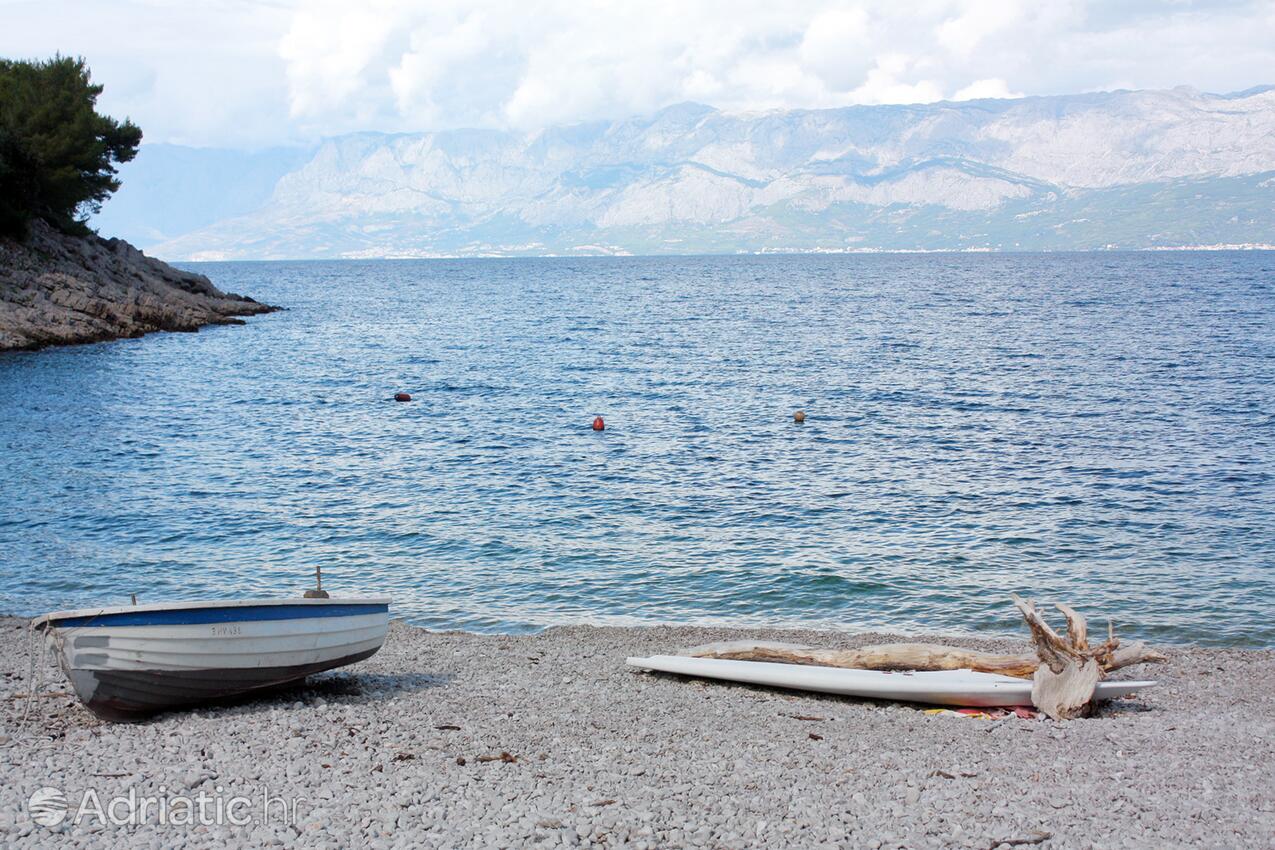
[129, 662]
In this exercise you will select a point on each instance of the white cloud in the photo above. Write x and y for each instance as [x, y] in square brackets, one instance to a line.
[198, 74]
[836, 47]
[975, 22]
[888, 83]
[238, 72]
[985, 88]
[331, 51]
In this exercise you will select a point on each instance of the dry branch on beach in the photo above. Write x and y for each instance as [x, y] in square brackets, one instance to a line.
[1064, 670]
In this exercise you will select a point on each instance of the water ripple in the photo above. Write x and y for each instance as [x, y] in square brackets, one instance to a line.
[1090, 428]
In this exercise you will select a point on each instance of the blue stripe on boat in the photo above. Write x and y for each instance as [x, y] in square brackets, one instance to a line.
[240, 614]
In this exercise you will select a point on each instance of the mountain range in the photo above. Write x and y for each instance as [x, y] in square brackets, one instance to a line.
[1125, 169]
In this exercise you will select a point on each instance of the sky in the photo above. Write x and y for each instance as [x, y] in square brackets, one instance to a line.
[257, 73]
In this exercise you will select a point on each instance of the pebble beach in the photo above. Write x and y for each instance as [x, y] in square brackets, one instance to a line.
[452, 739]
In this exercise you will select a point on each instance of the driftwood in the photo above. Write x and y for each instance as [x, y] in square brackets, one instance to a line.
[906, 656]
[1064, 671]
[1069, 670]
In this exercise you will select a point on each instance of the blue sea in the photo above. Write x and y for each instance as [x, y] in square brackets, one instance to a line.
[1094, 428]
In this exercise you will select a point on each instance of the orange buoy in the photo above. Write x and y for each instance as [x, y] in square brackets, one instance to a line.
[799, 416]
[598, 424]
[402, 397]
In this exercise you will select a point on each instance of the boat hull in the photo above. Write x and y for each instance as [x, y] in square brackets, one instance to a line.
[130, 695]
[129, 663]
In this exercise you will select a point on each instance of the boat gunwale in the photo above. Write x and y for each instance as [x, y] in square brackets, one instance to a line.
[51, 619]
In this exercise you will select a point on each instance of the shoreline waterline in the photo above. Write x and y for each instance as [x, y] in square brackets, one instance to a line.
[857, 635]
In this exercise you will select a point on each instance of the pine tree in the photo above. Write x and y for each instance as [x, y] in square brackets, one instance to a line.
[57, 153]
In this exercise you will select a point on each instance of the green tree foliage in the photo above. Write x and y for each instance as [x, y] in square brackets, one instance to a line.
[57, 153]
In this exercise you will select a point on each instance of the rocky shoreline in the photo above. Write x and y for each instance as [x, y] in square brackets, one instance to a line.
[450, 739]
[57, 289]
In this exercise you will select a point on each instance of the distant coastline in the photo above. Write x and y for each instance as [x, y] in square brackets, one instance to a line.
[605, 251]
[1259, 246]
[60, 289]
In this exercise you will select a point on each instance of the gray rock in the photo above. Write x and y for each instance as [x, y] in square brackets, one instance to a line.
[57, 289]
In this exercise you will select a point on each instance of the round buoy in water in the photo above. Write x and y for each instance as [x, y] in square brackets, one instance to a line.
[799, 416]
[598, 424]
[402, 397]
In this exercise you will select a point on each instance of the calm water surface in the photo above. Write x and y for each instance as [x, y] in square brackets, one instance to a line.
[1095, 428]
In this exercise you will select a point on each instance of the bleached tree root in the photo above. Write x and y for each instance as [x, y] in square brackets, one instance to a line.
[905, 656]
[1064, 671]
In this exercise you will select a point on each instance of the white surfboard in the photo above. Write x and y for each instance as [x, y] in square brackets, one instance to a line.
[944, 687]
